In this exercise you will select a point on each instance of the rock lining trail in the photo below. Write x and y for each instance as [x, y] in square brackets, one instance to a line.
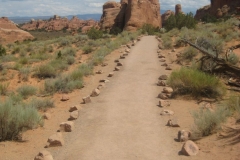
[124, 121]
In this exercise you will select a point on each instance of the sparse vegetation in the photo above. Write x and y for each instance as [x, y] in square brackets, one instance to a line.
[189, 53]
[196, 83]
[41, 104]
[4, 88]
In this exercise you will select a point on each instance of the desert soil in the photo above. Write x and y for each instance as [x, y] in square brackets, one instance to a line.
[124, 121]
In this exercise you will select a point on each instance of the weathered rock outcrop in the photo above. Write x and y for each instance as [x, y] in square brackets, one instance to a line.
[10, 33]
[57, 23]
[166, 15]
[130, 14]
[218, 8]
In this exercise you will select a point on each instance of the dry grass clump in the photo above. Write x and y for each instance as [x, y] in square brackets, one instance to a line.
[4, 88]
[45, 71]
[189, 53]
[41, 104]
[196, 83]
[26, 90]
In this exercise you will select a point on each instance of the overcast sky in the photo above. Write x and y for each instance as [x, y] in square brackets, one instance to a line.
[30, 8]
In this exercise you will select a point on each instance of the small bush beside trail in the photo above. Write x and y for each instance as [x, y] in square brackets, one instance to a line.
[196, 83]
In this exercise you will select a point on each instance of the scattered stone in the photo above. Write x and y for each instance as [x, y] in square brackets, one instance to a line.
[100, 86]
[87, 99]
[111, 74]
[47, 116]
[74, 108]
[162, 60]
[55, 140]
[163, 77]
[74, 115]
[169, 95]
[129, 46]
[117, 60]
[160, 46]
[164, 64]
[122, 57]
[168, 68]
[159, 51]
[161, 56]
[163, 103]
[44, 155]
[162, 96]
[167, 113]
[99, 72]
[117, 68]
[119, 64]
[125, 54]
[183, 135]
[104, 80]
[64, 98]
[173, 122]
[139, 39]
[67, 126]
[189, 148]
[167, 90]
[104, 64]
[95, 93]
[161, 83]
[174, 50]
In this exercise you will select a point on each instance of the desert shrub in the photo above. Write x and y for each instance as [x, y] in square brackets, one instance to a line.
[87, 49]
[26, 90]
[86, 69]
[16, 118]
[207, 122]
[59, 64]
[180, 20]
[23, 60]
[8, 58]
[115, 30]
[2, 50]
[50, 48]
[94, 33]
[196, 83]
[25, 73]
[64, 42]
[45, 71]
[167, 42]
[233, 103]
[41, 104]
[69, 51]
[189, 53]
[208, 18]
[4, 88]
[149, 29]
[16, 50]
[233, 59]
[70, 60]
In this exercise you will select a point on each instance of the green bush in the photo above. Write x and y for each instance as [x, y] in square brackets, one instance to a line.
[87, 49]
[180, 20]
[16, 118]
[26, 90]
[70, 60]
[2, 50]
[196, 83]
[207, 122]
[45, 71]
[94, 33]
[41, 104]
[149, 29]
[189, 53]
[115, 31]
[69, 51]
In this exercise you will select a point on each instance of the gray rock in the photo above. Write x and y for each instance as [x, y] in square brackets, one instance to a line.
[163, 77]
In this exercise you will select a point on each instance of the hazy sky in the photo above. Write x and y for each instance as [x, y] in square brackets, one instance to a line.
[11, 8]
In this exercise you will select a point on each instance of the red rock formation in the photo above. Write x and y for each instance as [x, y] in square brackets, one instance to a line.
[130, 14]
[178, 9]
[166, 15]
[10, 33]
[218, 8]
[57, 23]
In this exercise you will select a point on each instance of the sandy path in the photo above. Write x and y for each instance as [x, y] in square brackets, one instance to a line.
[124, 121]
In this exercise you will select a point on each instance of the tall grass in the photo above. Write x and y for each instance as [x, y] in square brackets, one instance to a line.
[15, 118]
[196, 83]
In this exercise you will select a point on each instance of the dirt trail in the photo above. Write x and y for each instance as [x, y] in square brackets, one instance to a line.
[124, 121]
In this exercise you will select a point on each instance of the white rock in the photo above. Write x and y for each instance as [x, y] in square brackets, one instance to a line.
[167, 113]
[164, 103]
[74, 115]
[44, 155]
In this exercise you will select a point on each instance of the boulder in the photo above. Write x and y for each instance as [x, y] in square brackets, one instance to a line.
[100, 86]
[99, 72]
[67, 126]
[173, 122]
[161, 83]
[119, 64]
[87, 99]
[55, 140]
[166, 15]
[111, 74]
[162, 60]
[95, 93]
[167, 113]
[117, 69]
[189, 148]
[104, 80]
[64, 98]
[122, 57]
[74, 115]
[117, 60]
[183, 135]
[74, 108]
[47, 116]
[167, 90]
[168, 67]
[163, 77]
[161, 56]
[44, 155]
[163, 96]
[164, 64]
[164, 103]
